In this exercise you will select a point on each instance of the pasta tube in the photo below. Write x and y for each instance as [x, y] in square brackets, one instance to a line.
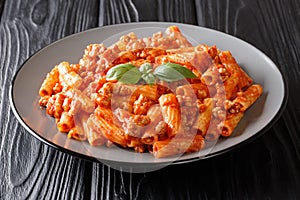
[175, 146]
[47, 86]
[170, 112]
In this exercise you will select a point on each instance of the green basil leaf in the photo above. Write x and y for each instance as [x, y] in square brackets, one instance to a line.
[149, 78]
[145, 68]
[116, 72]
[170, 72]
[125, 73]
[131, 77]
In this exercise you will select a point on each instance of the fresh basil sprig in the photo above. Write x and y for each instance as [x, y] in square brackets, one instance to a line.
[125, 73]
[147, 73]
[171, 72]
[130, 74]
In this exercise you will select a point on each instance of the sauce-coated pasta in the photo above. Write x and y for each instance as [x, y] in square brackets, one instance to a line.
[145, 106]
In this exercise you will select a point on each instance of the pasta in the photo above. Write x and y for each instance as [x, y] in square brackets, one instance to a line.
[158, 94]
[170, 113]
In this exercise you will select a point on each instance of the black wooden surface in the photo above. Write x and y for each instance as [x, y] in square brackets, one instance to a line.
[266, 168]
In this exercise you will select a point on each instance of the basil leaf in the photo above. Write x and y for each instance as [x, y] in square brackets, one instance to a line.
[147, 73]
[146, 68]
[170, 72]
[149, 78]
[125, 73]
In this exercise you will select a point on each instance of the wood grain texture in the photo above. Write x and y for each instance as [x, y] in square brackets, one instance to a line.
[266, 168]
[28, 168]
[116, 12]
[1, 7]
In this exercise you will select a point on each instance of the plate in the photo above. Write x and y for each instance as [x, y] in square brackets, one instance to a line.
[26, 83]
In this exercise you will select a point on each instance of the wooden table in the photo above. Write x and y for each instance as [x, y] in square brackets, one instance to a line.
[266, 168]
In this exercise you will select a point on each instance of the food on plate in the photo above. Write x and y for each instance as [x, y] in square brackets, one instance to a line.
[159, 94]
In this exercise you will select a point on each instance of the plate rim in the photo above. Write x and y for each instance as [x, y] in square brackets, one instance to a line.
[188, 160]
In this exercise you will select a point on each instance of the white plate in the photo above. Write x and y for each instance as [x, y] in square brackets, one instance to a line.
[24, 93]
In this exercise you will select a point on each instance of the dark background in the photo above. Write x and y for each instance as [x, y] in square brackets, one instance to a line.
[266, 168]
